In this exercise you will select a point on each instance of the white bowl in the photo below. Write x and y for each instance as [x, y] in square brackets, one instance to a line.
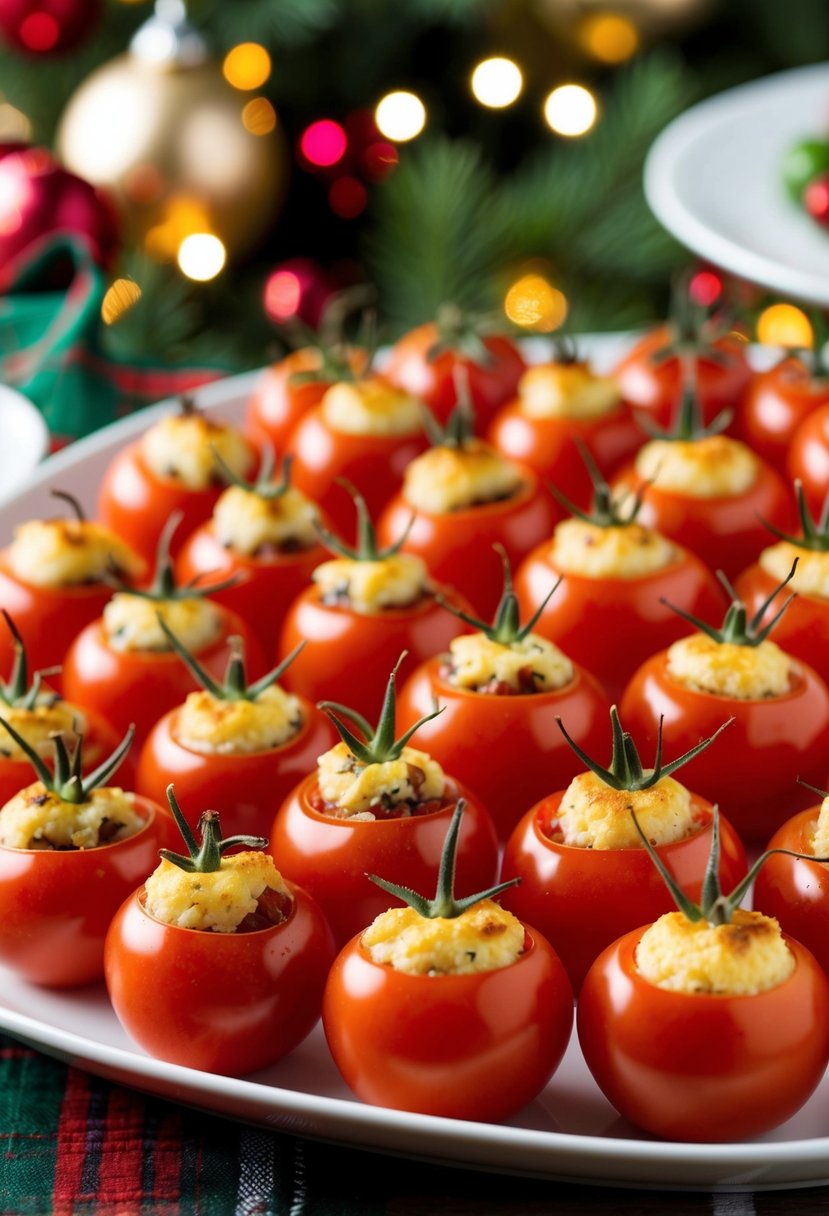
[24, 440]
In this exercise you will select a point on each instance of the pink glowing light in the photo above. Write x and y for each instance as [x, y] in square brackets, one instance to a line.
[323, 143]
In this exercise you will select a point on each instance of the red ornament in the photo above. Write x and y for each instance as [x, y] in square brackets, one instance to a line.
[816, 198]
[39, 199]
[47, 27]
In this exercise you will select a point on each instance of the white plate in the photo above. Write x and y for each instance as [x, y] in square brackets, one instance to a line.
[713, 178]
[24, 440]
[569, 1132]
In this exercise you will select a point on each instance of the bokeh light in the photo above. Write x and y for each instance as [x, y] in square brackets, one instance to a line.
[570, 110]
[533, 303]
[259, 116]
[784, 325]
[247, 66]
[201, 256]
[282, 295]
[609, 37]
[379, 159]
[347, 197]
[400, 116]
[323, 143]
[705, 288]
[497, 82]
[121, 296]
[39, 31]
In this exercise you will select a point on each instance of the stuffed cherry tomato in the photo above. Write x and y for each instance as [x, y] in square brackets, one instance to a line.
[262, 534]
[216, 962]
[808, 459]
[447, 1007]
[371, 806]
[776, 402]
[170, 469]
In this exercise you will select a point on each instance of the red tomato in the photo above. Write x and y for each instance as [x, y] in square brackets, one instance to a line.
[350, 654]
[331, 857]
[775, 403]
[653, 385]
[702, 1067]
[493, 379]
[248, 787]
[56, 904]
[220, 1002]
[140, 686]
[771, 742]
[726, 532]
[796, 891]
[476, 1046]
[803, 629]
[458, 546]
[583, 899]
[611, 625]
[506, 749]
[808, 457]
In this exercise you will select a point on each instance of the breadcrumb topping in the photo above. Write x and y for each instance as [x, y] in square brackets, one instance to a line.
[483, 938]
[445, 479]
[371, 407]
[567, 390]
[36, 818]
[371, 586]
[713, 467]
[592, 815]
[532, 664]
[248, 522]
[629, 551]
[812, 574]
[131, 622]
[729, 670]
[69, 553]
[181, 448]
[217, 902]
[367, 791]
[742, 958]
[231, 728]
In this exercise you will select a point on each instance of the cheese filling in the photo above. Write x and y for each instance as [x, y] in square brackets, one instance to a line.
[370, 791]
[369, 587]
[592, 815]
[180, 447]
[371, 407]
[233, 728]
[725, 669]
[624, 551]
[445, 479]
[812, 574]
[714, 467]
[37, 725]
[69, 553]
[567, 390]
[743, 958]
[820, 841]
[483, 938]
[131, 623]
[216, 902]
[36, 818]
[252, 524]
[530, 665]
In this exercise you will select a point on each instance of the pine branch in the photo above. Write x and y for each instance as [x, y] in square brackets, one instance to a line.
[279, 23]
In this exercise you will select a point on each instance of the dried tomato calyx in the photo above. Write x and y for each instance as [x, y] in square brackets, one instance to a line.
[235, 686]
[814, 529]
[737, 628]
[688, 425]
[204, 855]
[68, 781]
[506, 626]
[17, 692]
[263, 485]
[164, 585]
[366, 548]
[606, 511]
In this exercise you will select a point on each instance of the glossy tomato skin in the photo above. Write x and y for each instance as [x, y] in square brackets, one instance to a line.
[265, 588]
[702, 1067]
[56, 905]
[653, 385]
[611, 625]
[458, 546]
[775, 403]
[803, 629]
[247, 789]
[583, 899]
[549, 445]
[433, 380]
[796, 892]
[726, 532]
[278, 401]
[752, 771]
[461, 1046]
[219, 1002]
[507, 749]
[330, 857]
[808, 457]
[350, 654]
[141, 686]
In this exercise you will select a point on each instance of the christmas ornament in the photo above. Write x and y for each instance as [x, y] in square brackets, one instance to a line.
[39, 199]
[162, 129]
[47, 27]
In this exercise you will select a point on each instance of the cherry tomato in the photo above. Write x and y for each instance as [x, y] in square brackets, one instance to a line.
[808, 458]
[803, 629]
[611, 625]
[221, 1002]
[476, 1046]
[796, 891]
[772, 741]
[505, 748]
[331, 857]
[775, 403]
[458, 546]
[703, 1067]
[583, 899]
[492, 371]
[56, 904]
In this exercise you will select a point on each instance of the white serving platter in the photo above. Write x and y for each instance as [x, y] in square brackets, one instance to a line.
[24, 440]
[570, 1132]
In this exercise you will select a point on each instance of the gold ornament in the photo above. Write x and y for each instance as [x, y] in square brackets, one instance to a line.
[181, 151]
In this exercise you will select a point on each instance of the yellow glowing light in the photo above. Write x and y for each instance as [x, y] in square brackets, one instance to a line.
[533, 303]
[259, 116]
[201, 256]
[247, 66]
[181, 217]
[570, 109]
[609, 37]
[497, 82]
[400, 116]
[121, 296]
[784, 325]
[14, 124]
